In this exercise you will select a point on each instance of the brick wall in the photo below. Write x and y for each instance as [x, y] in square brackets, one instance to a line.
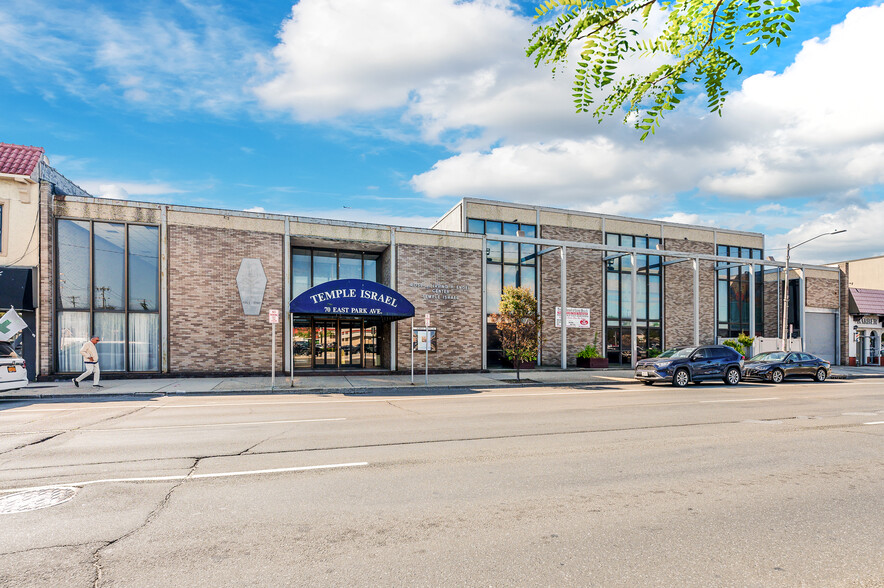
[822, 292]
[584, 281]
[773, 303]
[678, 296]
[459, 323]
[208, 331]
[46, 309]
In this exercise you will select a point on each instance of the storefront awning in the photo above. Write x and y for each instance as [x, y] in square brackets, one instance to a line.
[17, 288]
[353, 298]
[866, 301]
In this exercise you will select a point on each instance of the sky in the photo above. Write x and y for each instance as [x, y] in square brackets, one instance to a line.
[391, 111]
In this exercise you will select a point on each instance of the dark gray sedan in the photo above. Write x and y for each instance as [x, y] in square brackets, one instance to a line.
[776, 366]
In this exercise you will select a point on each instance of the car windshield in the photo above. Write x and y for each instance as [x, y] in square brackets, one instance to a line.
[677, 353]
[770, 356]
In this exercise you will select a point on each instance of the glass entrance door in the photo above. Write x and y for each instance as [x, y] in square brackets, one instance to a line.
[325, 344]
[351, 344]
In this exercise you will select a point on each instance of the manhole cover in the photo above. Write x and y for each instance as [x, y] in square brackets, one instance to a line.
[35, 499]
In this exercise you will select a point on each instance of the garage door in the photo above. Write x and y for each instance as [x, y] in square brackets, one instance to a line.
[822, 328]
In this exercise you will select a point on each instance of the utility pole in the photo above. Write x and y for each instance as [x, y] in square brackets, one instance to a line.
[789, 249]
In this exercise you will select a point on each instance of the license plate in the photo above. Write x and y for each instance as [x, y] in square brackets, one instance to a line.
[646, 374]
[10, 368]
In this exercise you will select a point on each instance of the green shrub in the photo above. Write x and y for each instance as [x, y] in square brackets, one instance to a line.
[591, 351]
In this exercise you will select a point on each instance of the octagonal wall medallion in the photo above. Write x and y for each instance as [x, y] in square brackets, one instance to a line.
[251, 281]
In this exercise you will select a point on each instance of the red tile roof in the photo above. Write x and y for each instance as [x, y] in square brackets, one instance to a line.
[19, 160]
[868, 301]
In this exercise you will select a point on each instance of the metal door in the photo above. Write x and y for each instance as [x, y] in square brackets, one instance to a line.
[822, 330]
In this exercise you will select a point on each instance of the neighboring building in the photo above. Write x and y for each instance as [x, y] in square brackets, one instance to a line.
[863, 325]
[23, 169]
[183, 290]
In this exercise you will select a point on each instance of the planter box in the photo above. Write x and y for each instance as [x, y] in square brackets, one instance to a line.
[525, 365]
[592, 362]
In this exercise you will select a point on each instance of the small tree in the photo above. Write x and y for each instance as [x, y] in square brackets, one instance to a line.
[518, 325]
[743, 343]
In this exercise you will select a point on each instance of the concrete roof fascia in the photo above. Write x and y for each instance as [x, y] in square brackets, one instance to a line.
[607, 216]
[261, 215]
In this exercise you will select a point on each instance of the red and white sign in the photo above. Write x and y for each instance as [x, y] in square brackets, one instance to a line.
[577, 318]
[273, 316]
[427, 319]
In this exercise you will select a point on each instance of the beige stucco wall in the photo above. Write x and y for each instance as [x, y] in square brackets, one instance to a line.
[20, 238]
[451, 221]
[867, 273]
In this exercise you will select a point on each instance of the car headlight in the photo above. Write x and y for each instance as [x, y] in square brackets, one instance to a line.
[663, 365]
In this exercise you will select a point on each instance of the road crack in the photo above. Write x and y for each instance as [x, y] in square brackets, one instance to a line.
[96, 555]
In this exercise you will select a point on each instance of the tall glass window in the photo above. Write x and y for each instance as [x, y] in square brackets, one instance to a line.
[733, 293]
[507, 264]
[618, 299]
[312, 267]
[108, 286]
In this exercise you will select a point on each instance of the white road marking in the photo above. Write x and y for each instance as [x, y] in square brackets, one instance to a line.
[738, 400]
[859, 414]
[193, 476]
[875, 423]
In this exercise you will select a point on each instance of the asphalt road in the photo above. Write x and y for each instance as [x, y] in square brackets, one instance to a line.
[754, 485]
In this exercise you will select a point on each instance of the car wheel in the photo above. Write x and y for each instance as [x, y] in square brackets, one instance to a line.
[681, 378]
[732, 376]
[648, 383]
[820, 375]
[777, 376]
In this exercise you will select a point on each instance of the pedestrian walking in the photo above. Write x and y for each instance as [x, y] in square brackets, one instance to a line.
[90, 358]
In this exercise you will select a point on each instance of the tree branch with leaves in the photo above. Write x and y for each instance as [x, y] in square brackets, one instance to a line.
[698, 42]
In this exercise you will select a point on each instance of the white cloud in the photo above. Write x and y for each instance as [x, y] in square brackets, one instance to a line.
[183, 56]
[122, 190]
[862, 239]
[343, 56]
[807, 132]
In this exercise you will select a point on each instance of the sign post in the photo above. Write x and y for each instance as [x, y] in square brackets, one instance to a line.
[427, 353]
[273, 317]
[412, 351]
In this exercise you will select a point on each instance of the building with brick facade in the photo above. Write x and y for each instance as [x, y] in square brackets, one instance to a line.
[184, 291]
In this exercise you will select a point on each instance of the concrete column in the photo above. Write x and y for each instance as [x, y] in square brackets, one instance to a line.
[564, 284]
[287, 295]
[634, 307]
[393, 326]
[696, 300]
[484, 312]
[164, 289]
[802, 294]
[751, 301]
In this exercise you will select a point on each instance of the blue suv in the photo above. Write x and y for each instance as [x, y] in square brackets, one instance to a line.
[691, 364]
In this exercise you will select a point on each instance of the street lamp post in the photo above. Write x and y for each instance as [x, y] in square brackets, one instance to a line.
[789, 249]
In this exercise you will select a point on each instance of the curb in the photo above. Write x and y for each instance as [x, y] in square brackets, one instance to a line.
[348, 391]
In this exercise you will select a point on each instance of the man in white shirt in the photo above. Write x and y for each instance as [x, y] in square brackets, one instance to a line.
[90, 358]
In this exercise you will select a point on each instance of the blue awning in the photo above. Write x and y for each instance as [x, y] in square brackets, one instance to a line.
[353, 298]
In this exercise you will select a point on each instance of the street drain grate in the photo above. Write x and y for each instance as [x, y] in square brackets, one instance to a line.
[35, 499]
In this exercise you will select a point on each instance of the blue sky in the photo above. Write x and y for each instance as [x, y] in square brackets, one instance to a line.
[392, 110]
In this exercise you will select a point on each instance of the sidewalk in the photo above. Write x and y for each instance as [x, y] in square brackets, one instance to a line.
[351, 384]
